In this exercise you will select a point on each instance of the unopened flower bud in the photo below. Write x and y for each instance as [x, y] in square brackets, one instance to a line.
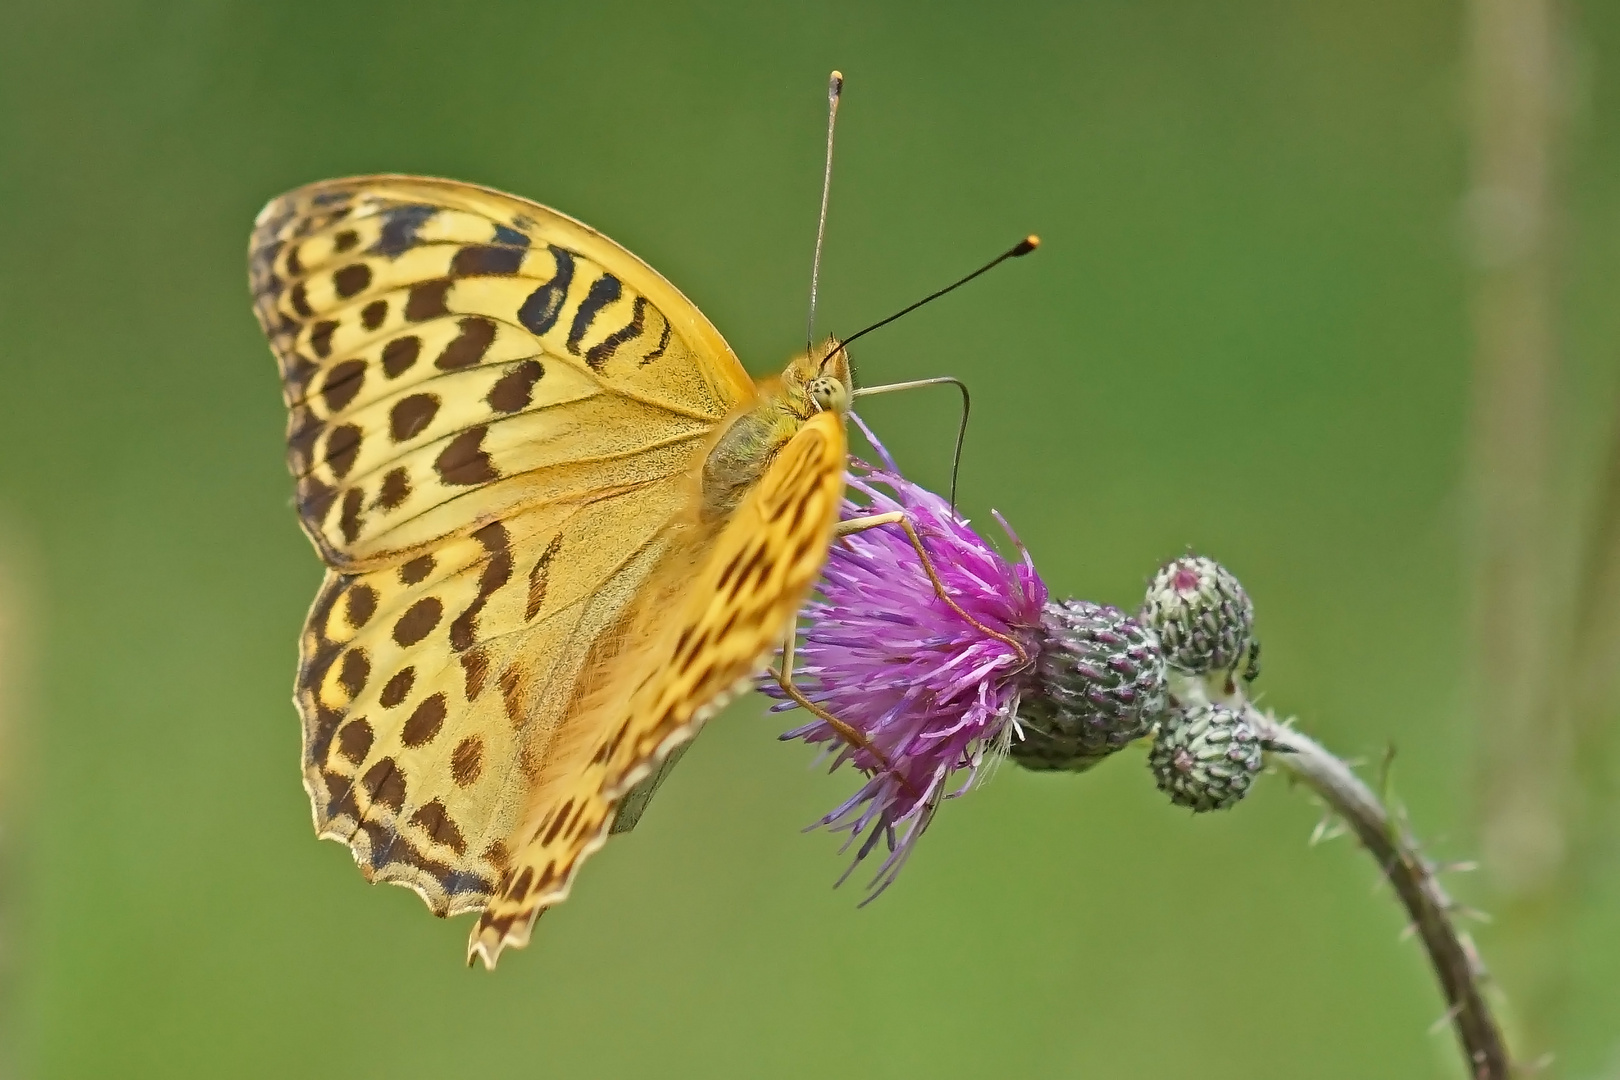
[1205, 756]
[1204, 619]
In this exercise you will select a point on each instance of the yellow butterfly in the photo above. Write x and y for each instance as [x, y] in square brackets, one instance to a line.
[561, 522]
[562, 526]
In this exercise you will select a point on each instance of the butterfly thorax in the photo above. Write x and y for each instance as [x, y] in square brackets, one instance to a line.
[815, 381]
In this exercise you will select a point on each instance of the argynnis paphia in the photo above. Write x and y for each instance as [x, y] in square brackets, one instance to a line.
[561, 522]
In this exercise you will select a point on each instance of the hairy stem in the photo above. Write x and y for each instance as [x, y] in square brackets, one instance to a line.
[1450, 950]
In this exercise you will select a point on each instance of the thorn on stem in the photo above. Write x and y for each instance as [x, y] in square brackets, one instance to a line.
[1319, 832]
[1463, 911]
[1446, 1019]
[1329, 828]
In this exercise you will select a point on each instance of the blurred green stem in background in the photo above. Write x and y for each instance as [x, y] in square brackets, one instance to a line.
[1546, 663]
[1514, 372]
[14, 666]
[1594, 679]
[1524, 743]
[1587, 796]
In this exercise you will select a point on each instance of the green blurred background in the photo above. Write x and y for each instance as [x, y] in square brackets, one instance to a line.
[1247, 330]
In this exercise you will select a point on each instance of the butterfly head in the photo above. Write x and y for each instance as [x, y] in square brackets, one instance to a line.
[820, 380]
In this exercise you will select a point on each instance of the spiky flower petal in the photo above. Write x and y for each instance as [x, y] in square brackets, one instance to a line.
[1100, 684]
[931, 689]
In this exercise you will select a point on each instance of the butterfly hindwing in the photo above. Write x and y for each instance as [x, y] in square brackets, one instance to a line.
[740, 598]
[431, 691]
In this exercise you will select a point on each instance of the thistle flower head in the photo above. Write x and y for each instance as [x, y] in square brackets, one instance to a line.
[930, 685]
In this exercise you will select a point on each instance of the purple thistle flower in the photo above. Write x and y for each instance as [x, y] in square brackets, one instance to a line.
[929, 691]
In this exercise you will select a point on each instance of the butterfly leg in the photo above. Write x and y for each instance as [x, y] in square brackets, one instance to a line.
[899, 517]
[784, 679]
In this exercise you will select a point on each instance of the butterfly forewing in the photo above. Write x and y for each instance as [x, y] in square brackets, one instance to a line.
[739, 597]
[443, 345]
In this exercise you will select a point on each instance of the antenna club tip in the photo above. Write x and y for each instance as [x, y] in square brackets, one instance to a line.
[835, 84]
[1027, 245]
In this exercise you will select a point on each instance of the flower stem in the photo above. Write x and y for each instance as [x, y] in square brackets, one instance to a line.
[1450, 950]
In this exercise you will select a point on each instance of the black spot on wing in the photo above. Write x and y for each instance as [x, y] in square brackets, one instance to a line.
[469, 345]
[400, 224]
[396, 488]
[509, 236]
[428, 300]
[343, 381]
[349, 524]
[342, 447]
[603, 291]
[663, 343]
[602, 351]
[351, 280]
[486, 260]
[398, 355]
[513, 391]
[725, 575]
[541, 308]
[756, 562]
[320, 337]
[463, 462]
[557, 823]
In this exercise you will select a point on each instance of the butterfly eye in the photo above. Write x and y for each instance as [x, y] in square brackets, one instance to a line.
[829, 394]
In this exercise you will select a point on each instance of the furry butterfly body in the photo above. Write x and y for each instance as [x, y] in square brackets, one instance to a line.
[560, 521]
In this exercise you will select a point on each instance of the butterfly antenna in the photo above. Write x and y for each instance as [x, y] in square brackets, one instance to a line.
[835, 90]
[1023, 247]
[961, 427]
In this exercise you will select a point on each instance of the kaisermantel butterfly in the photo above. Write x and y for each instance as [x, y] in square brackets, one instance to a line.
[561, 525]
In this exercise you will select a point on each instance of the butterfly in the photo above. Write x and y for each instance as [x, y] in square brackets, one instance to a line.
[561, 526]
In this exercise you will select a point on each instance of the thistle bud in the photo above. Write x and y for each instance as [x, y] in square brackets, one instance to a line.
[1205, 756]
[1204, 619]
[1099, 684]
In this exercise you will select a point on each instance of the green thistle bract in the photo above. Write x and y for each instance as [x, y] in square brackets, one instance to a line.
[1099, 685]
